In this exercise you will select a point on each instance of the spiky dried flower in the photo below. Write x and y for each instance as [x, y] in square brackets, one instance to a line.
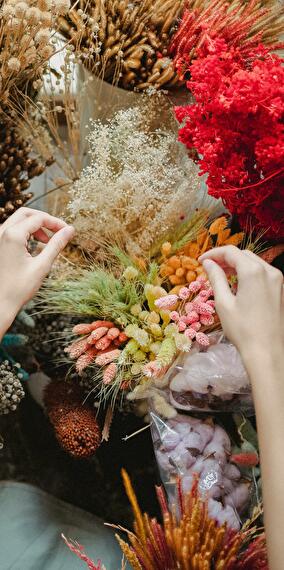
[187, 538]
[75, 424]
[125, 41]
[138, 185]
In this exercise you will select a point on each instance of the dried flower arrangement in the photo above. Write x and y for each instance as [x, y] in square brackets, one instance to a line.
[187, 538]
[125, 42]
[243, 24]
[244, 156]
[133, 324]
[139, 183]
[27, 32]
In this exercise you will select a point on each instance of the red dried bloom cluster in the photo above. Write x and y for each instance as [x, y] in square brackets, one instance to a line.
[75, 425]
[237, 128]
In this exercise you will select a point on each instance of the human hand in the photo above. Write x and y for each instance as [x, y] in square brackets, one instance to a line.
[253, 319]
[22, 274]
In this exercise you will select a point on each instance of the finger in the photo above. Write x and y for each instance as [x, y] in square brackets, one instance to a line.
[31, 224]
[55, 245]
[229, 257]
[218, 280]
[41, 236]
[18, 216]
[253, 257]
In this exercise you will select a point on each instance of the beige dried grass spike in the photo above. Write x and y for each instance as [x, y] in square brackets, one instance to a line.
[125, 42]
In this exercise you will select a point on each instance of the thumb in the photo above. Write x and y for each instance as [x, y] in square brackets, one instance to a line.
[218, 280]
[55, 245]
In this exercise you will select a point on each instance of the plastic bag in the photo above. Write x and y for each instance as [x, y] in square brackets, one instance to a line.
[187, 447]
[212, 379]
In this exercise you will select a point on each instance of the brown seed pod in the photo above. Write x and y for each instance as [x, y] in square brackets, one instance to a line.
[17, 168]
[74, 422]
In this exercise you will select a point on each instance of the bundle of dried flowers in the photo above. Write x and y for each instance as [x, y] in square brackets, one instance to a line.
[239, 138]
[241, 23]
[74, 422]
[139, 184]
[180, 263]
[26, 32]
[133, 325]
[125, 42]
[187, 538]
[17, 168]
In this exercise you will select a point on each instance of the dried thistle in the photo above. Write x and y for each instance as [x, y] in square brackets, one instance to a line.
[187, 539]
[125, 42]
[139, 184]
[75, 424]
[242, 23]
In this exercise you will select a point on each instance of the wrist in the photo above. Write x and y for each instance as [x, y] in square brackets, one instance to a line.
[263, 360]
[8, 313]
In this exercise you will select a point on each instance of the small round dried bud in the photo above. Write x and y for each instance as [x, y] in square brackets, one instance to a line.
[61, 6]
[33, 15]
[14, 64]
[7, 11]
[46, 19]
[42, 37]
[46, 52]
[20, 9]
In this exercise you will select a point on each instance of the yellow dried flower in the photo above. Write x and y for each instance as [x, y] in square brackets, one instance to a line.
[130, 273]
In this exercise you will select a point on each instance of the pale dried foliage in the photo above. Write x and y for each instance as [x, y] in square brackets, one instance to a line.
[125, 42]
[138, 186]
[26, 45]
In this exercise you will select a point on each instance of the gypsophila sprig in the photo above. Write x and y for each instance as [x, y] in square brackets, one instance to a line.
[138, 186]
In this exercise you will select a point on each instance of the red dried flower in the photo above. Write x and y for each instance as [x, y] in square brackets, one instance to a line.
[237, 127]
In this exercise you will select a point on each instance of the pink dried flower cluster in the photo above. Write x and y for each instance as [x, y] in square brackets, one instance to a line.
[194, 309]
[99, 344]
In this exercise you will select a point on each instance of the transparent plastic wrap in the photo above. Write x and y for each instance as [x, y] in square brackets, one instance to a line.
[188, 446]
[210, 379]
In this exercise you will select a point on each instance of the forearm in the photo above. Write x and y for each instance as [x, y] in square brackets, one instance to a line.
[266, 371]
[7, 315]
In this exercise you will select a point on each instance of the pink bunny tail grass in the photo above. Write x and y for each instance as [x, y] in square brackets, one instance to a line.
[107, 357]
[166, 303]
[109, 373]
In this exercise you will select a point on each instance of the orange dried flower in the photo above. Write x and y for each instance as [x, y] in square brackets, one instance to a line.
[75, 424]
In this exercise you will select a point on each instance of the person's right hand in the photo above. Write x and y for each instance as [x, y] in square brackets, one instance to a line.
[21, 273]
[254, 317]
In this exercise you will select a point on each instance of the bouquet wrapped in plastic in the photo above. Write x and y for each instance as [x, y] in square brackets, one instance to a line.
[187, 447]
[210, 378]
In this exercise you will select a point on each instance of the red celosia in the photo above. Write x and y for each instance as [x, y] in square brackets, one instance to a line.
[236, 125]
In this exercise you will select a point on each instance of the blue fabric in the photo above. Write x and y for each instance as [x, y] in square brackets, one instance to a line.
[31, 523]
